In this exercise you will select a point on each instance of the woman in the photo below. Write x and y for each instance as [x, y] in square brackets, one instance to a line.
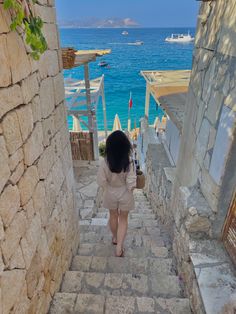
[117, 176]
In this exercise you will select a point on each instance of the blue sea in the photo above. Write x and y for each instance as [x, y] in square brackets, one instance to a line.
[126, 62]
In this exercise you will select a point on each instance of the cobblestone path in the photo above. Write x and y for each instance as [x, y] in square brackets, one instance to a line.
[144, 281]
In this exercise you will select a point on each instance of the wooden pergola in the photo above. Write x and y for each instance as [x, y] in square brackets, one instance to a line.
[166, 84]
[86, 93]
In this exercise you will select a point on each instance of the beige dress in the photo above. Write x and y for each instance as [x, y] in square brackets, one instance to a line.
[118, 187]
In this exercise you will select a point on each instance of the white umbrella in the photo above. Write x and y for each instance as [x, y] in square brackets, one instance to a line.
[76, 124]
[116, 124]
[156, 123]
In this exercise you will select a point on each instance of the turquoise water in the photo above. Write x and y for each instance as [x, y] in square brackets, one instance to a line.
[126, 62]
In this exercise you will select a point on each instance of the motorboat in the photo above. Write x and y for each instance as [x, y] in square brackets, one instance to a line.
[103, 64]
[179, 38]
[125, 33]
[137, 43]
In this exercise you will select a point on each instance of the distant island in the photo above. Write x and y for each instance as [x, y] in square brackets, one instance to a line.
[100, 23]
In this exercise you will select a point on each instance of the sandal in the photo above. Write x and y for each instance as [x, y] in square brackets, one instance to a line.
[122, 254]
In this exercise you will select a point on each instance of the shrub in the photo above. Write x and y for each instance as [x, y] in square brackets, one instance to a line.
[102, 148]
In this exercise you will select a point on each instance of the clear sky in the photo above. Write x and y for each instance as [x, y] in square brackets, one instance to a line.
[149, 13]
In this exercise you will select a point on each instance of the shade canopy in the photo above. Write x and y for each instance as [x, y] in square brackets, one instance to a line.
[85, 56]
[169, 89]
[163, 83]
[116, 124]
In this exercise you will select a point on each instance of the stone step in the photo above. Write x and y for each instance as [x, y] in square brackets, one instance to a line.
[160, 285]
[133, 223]
[155, 231]
[132, 215]
[123, 265]
[132, 240]
[72, 303]
[106, 250]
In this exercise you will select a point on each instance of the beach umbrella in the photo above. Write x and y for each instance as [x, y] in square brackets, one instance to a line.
[76, 125]
[116, 124]
[156, 123]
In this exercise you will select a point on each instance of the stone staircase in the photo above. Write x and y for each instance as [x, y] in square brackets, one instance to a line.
[144, 281]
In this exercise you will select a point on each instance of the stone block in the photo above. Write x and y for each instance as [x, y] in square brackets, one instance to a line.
[48, 130]
[12, 133]
[2, 235]
[89, 303]
[33, 275]
[9, 204]
[59, 88]
[48, 64]
[202, 141]
[5, 78]
[223, 143]
[33, 147]
[13, 234]
[12, 283]
[29, 210]
[17, 260]
[15, 159]
[19, 62]
[31, 239]
[36, 109]
[214, 105]
[39, 201]
[30, 88]
[4, 171]
[28, 183]
[174, 305]
[119, 305]
[226, 44]
[195, 224]
[25, 118]
[64, 303]
[60, 116]
[146, 305]
[47, 97]
[46, 162]
[17, 174]
[5, 20]
[47, 14]
[50, 33]
[72, 281]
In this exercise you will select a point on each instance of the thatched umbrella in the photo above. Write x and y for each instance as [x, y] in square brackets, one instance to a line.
[116, 124]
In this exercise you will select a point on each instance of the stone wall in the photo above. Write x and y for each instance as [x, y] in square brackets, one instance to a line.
[205, 175]
[205, 166]
[38, 221]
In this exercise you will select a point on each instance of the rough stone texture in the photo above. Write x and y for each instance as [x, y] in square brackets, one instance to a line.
[195, 201]
[38, 217]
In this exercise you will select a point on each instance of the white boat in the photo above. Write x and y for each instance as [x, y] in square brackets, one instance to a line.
[137, 43]
[125, 33]
[179, 38]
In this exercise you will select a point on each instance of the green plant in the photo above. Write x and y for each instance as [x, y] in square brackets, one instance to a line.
[23, 17]
[102, 149]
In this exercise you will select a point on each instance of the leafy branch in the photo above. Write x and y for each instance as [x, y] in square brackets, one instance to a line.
[23, 17]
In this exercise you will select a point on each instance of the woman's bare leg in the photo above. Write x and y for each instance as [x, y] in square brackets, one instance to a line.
[122, 230]
[113, 223]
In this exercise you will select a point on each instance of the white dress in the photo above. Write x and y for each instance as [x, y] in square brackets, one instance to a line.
[118, 187]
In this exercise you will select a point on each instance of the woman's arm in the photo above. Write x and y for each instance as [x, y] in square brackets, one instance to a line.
[131, 178]
[101, 176]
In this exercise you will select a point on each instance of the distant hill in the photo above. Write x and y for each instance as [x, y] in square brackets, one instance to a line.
[100, 23]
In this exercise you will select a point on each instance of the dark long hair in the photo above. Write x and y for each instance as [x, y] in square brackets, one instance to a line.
[118, 150]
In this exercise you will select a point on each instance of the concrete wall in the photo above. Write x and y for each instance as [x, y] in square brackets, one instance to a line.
[38, 221]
